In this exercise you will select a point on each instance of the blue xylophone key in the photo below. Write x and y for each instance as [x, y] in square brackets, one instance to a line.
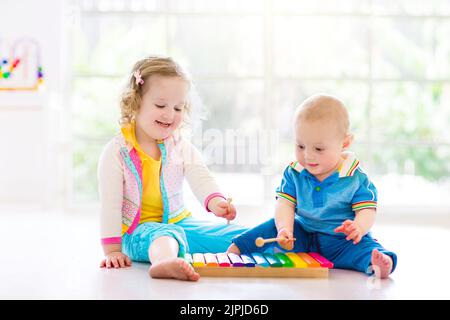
[273, 260]
[260, 260]
[248, 260]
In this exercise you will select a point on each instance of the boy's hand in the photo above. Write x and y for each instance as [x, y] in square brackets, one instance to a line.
[116, 260]
[352, 230]
[287, 239]
[222, 209]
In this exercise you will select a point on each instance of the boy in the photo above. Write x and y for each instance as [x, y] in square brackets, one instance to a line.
[325, 201]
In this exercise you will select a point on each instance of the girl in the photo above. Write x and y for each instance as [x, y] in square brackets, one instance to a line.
[141, 171]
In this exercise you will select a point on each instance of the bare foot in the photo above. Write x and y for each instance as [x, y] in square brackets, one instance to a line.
[233, 249]
[176, 268]
[381, 264]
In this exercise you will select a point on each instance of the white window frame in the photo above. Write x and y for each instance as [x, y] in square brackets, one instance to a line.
[269, 79]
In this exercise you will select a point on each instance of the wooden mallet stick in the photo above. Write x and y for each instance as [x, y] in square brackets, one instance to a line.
[229, 208]
[260, 241]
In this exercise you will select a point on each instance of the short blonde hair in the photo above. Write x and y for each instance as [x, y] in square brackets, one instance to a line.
[131, 98]
[324, 107]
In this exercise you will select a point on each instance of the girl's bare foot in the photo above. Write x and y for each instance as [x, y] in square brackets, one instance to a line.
[381, 264]
[176, 268]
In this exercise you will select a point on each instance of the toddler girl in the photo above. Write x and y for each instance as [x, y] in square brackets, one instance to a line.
[141, 173]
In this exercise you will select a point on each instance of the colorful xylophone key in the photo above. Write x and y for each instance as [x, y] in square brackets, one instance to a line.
[273, 260]
[223, 260]
[236, 260]
[198, 260]
[248, 260]
[296, 260]
[210, 260]
[285, 261]
[285, 265]
[312, 263]
[324, 263]
[260, 260]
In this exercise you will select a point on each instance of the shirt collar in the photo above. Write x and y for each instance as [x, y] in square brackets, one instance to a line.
[130, 135]
[347, 168]
[349, 165]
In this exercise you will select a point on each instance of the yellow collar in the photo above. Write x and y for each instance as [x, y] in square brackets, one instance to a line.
[129, 134]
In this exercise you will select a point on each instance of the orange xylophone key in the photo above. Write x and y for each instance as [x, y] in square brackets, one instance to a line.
[210, 260]
[312, 263]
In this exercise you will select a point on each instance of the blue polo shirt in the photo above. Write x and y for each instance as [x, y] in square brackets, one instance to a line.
[323, 206]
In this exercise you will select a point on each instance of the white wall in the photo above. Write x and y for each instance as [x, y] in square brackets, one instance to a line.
[29, 122]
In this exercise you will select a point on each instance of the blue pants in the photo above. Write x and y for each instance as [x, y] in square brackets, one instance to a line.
[344, 254]
[193, 235]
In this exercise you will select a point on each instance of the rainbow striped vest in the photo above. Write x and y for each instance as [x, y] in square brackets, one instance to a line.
[171, 183]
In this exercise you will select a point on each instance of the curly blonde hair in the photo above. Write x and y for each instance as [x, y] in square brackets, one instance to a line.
[130, 100]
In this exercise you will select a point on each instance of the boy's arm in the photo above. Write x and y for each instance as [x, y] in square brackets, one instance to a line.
[284, 215]
[365, 218]
[285, 208]
[364, 204]
[356, 229]
[284, 221]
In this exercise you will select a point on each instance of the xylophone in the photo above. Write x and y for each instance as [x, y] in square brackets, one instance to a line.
[284, 265]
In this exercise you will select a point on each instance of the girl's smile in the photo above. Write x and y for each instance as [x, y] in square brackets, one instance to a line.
[162, 107]
[163, 124]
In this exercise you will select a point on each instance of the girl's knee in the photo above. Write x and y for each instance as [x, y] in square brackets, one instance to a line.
[164, 247]
[164, 240]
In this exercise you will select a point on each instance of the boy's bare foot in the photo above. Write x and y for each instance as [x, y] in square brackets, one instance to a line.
[381, 264]
[176, 268]
[233, 249]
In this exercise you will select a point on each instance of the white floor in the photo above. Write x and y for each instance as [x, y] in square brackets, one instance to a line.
[51, 256]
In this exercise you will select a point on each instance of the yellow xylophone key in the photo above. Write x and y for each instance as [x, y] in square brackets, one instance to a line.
[199, 260]
[312, 263]
[298, 262]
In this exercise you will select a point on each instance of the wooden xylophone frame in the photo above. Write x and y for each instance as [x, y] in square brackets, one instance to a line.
[263, 272]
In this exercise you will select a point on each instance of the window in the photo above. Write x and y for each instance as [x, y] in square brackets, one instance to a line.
[254, 61]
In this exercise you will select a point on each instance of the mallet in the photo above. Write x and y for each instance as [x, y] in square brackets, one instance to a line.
[229, 202]
[260, 241]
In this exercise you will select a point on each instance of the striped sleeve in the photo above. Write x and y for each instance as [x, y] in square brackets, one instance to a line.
[286, 189]
[366, 195]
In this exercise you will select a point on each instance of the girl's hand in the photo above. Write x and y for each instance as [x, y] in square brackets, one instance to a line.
[352, 230]
[222, 209]
[287, 239]
[116, 260]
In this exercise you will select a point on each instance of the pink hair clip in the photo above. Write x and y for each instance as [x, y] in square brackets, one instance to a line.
[137, 75]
